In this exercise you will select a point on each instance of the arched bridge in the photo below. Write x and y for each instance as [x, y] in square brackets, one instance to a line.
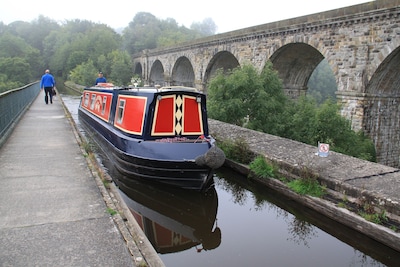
[361, 44]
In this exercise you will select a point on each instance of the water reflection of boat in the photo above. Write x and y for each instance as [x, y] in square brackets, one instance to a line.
[174, 220]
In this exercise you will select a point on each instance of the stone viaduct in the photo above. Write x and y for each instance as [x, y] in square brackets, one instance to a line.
[361, 43]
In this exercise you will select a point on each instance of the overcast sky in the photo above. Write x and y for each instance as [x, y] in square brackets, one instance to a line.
[227, 15]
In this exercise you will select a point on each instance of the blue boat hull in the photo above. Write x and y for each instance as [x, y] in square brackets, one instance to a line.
[169, 163]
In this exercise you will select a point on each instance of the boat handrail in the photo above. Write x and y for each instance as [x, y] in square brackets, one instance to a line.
[178, 87]
[162, 89]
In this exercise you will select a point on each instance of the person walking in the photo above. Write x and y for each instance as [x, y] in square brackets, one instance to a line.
[100, 78]
[48, 83]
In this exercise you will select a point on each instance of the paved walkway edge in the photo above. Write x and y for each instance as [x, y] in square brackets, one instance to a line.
[137, 242]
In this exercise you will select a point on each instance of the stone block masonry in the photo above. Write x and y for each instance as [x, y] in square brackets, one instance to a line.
[351, 177]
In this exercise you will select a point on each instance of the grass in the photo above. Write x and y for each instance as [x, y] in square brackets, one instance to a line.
[237, 150]
[306, 186]
[111, 211]
[367, 211]
[261, 168]
[378, 218]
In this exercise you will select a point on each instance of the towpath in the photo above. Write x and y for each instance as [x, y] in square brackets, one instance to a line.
[54, 211]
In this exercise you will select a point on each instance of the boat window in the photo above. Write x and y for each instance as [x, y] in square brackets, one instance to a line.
[92, 100]
[103, 106]
[121, 107]
[86, 99]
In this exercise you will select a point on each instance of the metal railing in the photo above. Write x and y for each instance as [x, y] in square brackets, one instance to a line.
[13, 104]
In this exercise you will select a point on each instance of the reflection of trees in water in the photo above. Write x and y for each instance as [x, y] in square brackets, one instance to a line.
[360, 259]
[301, 231]
[238, 192]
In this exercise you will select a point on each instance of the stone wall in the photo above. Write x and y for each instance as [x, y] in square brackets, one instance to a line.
[352, 177]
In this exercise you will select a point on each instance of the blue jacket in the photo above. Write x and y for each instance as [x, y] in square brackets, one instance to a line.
[101, 80]
[47, 81]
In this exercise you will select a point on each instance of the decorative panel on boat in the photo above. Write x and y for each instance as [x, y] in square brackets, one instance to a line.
[130, 116]
[192, 122]
[164, 116]
[177, 115]
[98, 103]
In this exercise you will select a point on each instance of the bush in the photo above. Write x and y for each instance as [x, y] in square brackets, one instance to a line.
[237, 150]
[261, 168]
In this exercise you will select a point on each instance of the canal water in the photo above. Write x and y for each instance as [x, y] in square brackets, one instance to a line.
[239, 223]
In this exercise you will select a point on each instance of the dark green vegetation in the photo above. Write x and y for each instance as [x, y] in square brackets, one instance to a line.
[256, 101]
[322, 84]
[263, 169]
[76, 50]
[237, 150]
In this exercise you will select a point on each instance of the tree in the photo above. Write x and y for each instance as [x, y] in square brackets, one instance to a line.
[19, 60]
[16, 70]
[301, 122]
[322, 84]
[121, 67]
[145, 31]
[257, 101]
[6, 84]
[246, 98]
[269, 116]
[84, 74]
[336, 130]
[77, 42]
[35, 32]
[142, 33]
[206, 28]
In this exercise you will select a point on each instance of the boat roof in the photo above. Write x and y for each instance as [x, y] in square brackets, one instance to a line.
[145, 88]
[164, 89]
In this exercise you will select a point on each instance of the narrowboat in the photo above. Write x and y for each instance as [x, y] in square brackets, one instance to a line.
[158, 134]
[174, 220]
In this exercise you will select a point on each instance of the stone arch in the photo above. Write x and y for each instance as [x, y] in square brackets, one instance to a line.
[381, 118]
[222, 60]
[295, 62]
[157, 74]
[138, 70]
[182, 72]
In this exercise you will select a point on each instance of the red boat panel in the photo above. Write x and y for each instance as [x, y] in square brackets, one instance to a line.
[130, 113]
[166, 238]
[192, 120]
[164, 116]
[98, 103]
[138, 218]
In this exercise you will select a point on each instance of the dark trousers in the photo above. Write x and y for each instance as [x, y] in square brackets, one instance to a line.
[48, 93]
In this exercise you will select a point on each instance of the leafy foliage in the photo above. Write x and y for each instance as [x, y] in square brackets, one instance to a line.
[83, 73]
[257, 101]
[205, 28]
[322, 84]
[78, 49]
[248, 99]
[145, 31]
